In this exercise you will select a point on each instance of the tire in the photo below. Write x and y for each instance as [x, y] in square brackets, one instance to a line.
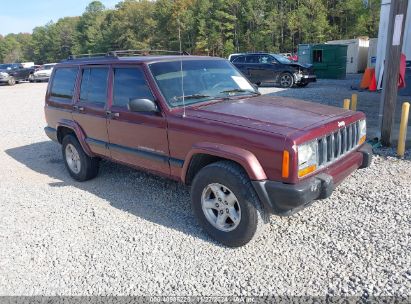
[85, 167]
[302, 85]
[245, 215]
[286, 80]
[12, 81]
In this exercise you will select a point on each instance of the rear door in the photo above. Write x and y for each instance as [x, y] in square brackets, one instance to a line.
[138, 139]
[89, 110]
[259, 70]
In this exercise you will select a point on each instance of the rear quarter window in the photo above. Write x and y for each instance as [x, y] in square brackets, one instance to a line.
[63, 83]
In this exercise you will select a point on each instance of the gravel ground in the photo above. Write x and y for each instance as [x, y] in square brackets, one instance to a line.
[130, 233]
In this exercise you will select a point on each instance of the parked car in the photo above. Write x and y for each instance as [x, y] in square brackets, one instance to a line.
[12, 73]
[43, 73]
[266, 68]
[197, 120]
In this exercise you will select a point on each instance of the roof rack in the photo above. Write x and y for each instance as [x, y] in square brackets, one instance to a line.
[123, 53]
[85, 56]
[145, 52]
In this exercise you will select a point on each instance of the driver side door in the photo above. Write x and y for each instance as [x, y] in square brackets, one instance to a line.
[138, 139]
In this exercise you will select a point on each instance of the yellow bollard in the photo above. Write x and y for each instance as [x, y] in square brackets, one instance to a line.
[346, 104]
[403, 129]
[354, 102]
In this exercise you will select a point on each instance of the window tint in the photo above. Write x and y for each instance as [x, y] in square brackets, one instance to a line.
[63, 82]
[240, 59]
[94, 85]
[266, 59]
[253, 59]
[129, 83]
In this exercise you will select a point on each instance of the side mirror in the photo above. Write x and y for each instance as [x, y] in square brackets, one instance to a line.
[142, 105]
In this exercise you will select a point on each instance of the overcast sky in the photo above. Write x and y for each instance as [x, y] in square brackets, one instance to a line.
[23, 15]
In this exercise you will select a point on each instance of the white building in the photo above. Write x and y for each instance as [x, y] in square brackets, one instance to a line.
[382, 37]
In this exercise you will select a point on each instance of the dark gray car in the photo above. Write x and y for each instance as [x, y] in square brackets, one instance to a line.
[266, 68]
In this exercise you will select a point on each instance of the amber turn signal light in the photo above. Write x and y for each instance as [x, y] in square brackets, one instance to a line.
[362, 140]
[285, 172]
[305, 171]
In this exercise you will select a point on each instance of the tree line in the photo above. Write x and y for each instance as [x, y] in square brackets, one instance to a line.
[209, 27]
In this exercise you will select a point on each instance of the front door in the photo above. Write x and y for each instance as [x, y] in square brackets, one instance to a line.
[89, 111]
[137, 139]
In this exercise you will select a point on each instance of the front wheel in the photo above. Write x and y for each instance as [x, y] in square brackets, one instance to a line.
[226, 204]
[80, 166]
[286, 80]
[12, 81]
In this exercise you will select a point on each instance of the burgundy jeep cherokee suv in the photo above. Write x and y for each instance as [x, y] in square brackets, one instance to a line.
[199, 121]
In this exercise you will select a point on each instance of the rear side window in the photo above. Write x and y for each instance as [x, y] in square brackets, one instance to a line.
[94, 85]
[240, 59]
[129, 83]
[253, 59]
[63, 83]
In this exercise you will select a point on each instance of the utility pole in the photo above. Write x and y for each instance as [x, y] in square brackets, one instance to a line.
[398, 14]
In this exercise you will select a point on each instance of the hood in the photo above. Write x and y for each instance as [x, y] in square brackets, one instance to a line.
[279, 115]
[4, 71]
[301, 65]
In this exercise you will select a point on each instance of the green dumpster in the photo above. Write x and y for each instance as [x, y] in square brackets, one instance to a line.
[329, 60]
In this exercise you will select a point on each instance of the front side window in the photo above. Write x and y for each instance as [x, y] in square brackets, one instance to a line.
[196, 81]
[94, 85]
[281, 59]
[63, 83]
[129, 83]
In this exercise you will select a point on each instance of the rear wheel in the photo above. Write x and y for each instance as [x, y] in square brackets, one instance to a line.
[286, 80]
[80, 166]
[226, 204]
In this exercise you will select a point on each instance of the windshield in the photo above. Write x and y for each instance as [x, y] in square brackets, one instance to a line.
[201, 80]
[5, 66]
[281, 58]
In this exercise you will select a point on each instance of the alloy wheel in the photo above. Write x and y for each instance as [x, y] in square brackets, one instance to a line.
[221, 207]
[73, 159]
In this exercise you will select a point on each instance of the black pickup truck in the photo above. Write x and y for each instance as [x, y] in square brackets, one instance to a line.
[12, 73]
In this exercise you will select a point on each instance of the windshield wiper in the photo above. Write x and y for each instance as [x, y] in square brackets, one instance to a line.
[192, 96]
[240, 91]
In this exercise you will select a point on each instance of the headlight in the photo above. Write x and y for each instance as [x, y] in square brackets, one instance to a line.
[307, 158]
[362, 131]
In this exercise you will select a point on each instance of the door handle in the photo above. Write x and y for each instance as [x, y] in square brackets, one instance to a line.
[112, 114]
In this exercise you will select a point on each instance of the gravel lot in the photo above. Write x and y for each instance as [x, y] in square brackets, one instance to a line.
[130, 233]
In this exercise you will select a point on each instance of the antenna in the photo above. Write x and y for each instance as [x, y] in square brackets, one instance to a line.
[181, 70]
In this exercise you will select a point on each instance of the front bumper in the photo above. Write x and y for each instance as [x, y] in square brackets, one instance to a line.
[286, 199]
[308, 78]
[41, 78]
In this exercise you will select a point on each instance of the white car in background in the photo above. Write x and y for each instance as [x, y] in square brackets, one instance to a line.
[43, 73]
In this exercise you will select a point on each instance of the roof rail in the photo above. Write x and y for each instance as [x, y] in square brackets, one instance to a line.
[121, 53]
[87, 56]
[144, 52]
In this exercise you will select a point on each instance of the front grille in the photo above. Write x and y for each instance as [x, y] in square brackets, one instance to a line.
[337, 144]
